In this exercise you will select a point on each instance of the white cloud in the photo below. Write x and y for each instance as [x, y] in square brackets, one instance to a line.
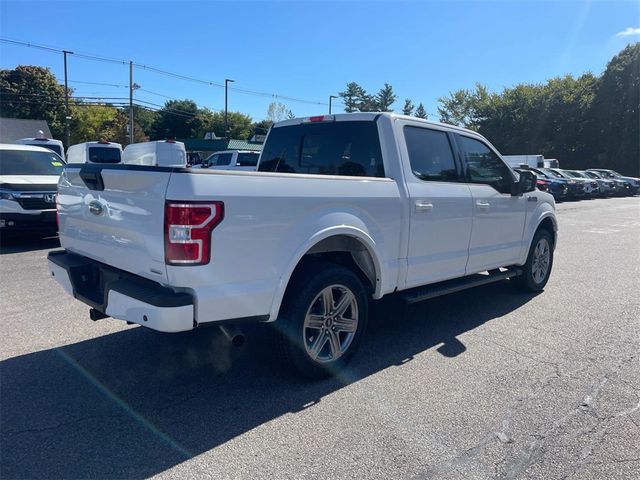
[627, 32]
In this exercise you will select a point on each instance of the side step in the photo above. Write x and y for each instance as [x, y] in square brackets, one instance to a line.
[419, 294]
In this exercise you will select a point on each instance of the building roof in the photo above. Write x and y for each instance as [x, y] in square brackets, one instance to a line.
[12, 129]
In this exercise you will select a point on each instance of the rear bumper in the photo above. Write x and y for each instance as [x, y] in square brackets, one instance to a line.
[122, 295]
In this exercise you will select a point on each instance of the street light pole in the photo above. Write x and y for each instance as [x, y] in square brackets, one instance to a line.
[330, 98]
[66, 99]
[131, 102]
[226, 96]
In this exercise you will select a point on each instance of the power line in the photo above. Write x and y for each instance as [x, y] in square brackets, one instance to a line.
[164, 72]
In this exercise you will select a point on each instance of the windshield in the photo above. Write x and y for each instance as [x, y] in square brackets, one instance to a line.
[577, 174]
[52, 147]
[593, 175]
[324, 148]
[24, 162]
[104, 155]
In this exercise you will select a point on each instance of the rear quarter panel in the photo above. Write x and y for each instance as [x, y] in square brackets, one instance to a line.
[270, 221]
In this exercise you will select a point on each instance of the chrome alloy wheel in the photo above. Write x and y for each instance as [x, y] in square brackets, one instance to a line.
[541, 260]
[330, 324]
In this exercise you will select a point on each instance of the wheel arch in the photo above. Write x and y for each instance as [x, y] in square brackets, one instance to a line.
[344, 244]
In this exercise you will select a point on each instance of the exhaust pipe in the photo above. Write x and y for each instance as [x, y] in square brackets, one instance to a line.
[96, 314]
[233, 335]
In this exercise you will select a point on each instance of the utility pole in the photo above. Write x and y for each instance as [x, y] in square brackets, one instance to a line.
[130, 102]
[226, 96]
[67, 116]
[330, 98]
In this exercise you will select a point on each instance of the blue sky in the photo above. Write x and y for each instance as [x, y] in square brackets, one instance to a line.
[310, 50]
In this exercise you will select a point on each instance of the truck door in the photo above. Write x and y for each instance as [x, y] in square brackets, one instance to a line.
[440, 202]
[498, 217]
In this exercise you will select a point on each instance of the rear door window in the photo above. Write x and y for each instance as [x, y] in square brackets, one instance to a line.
[104, 155]
[247, 160]
[430, 154]
[327, 148]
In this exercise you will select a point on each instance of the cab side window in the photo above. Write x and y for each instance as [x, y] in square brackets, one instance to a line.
[430, 154]
[224, 159]
[484, 166]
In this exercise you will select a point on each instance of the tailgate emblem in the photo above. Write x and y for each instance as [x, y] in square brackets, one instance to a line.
[95, 207]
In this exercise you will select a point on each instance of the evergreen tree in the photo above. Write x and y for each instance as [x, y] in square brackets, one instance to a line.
[408, 107]
[385, 98]
[421, 112]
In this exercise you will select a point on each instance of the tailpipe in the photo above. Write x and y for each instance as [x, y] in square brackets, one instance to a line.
[231, 333]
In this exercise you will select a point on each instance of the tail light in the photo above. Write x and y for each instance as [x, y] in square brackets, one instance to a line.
[187, 231]
[542, 184]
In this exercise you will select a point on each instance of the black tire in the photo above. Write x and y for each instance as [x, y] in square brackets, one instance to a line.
[530, 281]
[296, 339]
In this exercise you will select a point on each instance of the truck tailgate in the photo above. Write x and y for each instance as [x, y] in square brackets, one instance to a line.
[115, 215]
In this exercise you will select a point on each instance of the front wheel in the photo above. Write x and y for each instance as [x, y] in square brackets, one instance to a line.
[323, 320]
[536, 272]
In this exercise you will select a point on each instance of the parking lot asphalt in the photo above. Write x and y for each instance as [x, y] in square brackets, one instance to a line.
[487, 383]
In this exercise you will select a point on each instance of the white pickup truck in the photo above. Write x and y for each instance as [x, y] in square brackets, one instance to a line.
[344, 209]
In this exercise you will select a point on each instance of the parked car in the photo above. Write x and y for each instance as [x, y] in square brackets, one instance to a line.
[633, 182]
[555, 186]
[160, 153]
[591, 188]
[232, 160]
[575, 188]
[607, 186]
[28, 185]
[42, 141]
[344, 208]
[95, 152]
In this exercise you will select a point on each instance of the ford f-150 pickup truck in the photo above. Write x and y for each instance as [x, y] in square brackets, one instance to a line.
[343, 209]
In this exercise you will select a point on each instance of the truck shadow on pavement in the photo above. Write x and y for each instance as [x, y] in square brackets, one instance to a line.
[135, 403]
[24, 243]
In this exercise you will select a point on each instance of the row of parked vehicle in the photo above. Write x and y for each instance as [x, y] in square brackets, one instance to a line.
[580, 184]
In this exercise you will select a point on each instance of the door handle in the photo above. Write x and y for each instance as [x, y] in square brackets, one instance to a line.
[422, 206]
[483, 205]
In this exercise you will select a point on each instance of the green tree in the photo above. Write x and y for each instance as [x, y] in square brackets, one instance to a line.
[408, 107]
[92, 122]
[260, 128]
[384, 99]
[176, 119]
[421, 112]
[239, 124]
[356, 99]
[615, 114]
[464, 107]
[32, 92]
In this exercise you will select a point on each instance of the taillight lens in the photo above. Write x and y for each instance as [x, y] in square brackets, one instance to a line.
[187, 231]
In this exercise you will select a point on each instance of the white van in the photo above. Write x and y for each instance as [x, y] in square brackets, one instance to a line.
[42, 141]
[95, 152]
[161, 153]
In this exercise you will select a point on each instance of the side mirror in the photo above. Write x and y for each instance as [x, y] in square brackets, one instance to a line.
[526, 183]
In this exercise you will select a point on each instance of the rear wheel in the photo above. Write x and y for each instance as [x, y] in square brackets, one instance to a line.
[536, 272]
[323, 320]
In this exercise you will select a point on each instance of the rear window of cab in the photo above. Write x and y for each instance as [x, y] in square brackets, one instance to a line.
[329, 148]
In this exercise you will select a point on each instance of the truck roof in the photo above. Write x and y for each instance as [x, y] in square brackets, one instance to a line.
[370, 116]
